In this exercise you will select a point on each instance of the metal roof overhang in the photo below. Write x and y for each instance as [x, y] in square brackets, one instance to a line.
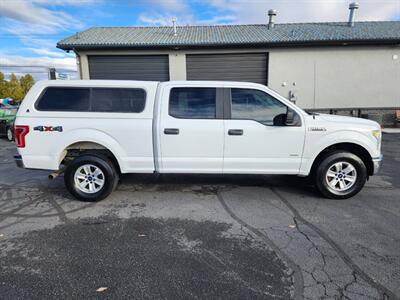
[376, 42]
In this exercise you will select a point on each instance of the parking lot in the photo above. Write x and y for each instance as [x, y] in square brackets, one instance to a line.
[179, 236]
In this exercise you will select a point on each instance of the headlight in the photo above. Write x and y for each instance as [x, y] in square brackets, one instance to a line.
[378, 135]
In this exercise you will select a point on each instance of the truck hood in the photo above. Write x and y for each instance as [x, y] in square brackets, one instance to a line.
[351, 121]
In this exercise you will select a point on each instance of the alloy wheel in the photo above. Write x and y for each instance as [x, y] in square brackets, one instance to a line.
[341, 176]
[89, 178]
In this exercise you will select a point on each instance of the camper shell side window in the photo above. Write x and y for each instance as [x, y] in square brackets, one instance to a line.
[92, 99]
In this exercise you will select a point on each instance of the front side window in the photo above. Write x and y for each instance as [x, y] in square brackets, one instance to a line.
[64, 99]
[249, 104]
[193, 103]
[118, 100]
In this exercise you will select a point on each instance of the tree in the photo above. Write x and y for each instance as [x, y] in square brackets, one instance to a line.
[3, 85]
[26, 82]
[14, 89]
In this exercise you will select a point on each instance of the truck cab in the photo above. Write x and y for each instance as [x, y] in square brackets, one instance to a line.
[95, 130]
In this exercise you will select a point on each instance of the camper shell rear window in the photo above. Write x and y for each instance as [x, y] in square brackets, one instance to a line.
[92, 99]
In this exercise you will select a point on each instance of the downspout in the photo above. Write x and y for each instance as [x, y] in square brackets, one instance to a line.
[79, 63]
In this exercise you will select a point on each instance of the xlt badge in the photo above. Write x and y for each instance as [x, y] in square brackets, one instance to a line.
[316, 129]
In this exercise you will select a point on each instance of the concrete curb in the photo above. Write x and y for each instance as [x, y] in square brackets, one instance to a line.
[391, 130]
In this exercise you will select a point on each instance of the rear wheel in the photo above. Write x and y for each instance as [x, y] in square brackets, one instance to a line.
[91, 177]
[340, 175]
[10, 135]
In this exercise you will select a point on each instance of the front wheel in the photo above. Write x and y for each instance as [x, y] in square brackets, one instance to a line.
[340, 175]
[91, 177]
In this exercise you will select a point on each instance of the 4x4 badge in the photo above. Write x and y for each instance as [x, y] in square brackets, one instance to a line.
[48, 128]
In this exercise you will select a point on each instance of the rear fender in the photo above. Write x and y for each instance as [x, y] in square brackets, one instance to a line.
[88, 135]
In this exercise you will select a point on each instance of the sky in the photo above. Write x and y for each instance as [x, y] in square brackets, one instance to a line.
[30, 29]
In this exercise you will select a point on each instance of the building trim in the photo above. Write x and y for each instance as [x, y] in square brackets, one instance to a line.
[230, 46]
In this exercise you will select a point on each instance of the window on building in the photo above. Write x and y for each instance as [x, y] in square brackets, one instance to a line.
[249, 104]
[193, 103]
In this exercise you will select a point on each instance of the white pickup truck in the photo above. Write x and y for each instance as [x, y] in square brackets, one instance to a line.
[97, 130]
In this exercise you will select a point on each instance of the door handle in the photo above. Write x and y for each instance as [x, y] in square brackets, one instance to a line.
[235, 131]
[171, 131]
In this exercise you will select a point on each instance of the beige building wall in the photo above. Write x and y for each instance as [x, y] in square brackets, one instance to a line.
[84, 67]
[177, 66]
[317, 77]
[338, 77]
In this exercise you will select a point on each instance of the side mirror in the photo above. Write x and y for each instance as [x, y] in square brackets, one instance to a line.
[279, 120]
[292, 119]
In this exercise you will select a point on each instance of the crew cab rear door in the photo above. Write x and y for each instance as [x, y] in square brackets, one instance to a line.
[191, 129]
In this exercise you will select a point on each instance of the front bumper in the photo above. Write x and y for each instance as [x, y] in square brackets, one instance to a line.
[377, 163]
[18, 161]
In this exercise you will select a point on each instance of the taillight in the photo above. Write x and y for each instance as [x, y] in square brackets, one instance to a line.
[20, 132]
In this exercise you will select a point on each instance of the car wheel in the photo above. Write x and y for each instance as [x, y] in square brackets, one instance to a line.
[91, 177]
[340, 175]
[10, 135]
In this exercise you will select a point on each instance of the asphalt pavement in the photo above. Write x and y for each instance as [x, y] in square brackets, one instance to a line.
[203, 236]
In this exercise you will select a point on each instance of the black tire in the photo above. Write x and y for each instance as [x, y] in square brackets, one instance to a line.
[337, 157]
[111, 177]
[10, 133]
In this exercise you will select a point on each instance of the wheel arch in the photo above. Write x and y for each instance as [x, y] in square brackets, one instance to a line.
[86, 147]
[353, 148]
[88, 140]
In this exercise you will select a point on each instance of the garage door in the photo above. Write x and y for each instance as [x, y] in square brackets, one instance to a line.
[129, 67]
[250, 67]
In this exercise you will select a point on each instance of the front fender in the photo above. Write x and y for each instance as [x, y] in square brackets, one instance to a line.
[315, 144]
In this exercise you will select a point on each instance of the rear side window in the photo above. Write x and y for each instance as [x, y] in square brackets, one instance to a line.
[92, 100]
[64, 99]
[193, 103]
[118, 100]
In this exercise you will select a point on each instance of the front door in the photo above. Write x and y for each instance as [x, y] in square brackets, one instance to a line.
[257, 141]
[192, 131]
